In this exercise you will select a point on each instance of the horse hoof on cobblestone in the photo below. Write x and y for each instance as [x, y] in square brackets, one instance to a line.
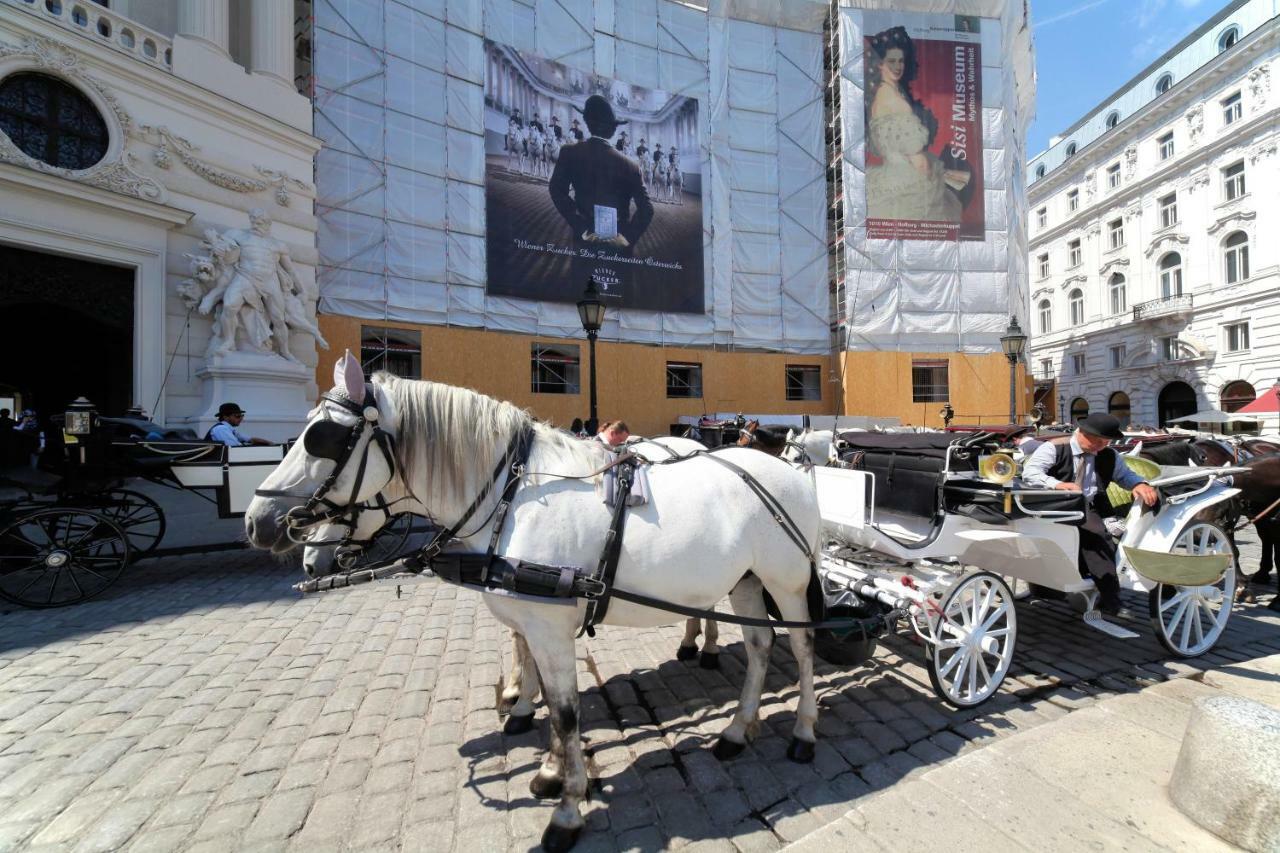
[686, 652]
[556, 838]
[709, 660]
[800, 751]
[516, 725]
[727, 750]
[547, 788]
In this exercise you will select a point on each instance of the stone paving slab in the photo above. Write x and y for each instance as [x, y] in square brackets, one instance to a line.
[1095, 780]
[202, 705]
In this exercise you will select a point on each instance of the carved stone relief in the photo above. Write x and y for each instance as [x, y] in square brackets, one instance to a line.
[169, 145]
[1130, 161]
[1259, 87]
[1195, 123]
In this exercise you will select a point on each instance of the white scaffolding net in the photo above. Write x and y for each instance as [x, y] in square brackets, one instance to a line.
[400, 104]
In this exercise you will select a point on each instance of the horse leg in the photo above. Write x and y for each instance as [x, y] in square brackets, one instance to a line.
[557, 664]
[522, 690]
[795, 608]
[748, 600]
[688, 649]
[710, 657]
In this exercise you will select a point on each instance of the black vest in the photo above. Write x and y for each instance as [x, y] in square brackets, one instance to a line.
[1104, 467]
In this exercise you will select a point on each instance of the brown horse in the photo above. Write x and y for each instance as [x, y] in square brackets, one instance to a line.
[1259, 502]
[767, 440]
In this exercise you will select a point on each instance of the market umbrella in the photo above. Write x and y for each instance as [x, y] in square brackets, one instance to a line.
[1266, 403]
[1211, 416]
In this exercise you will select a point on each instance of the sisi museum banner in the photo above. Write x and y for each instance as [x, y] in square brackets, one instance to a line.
[590, 177]
[924, 126]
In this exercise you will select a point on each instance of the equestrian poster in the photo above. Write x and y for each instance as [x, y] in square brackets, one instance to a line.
[924, 126]
[589, 177]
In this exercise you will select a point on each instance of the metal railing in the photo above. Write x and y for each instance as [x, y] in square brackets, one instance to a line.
[103, 26]
[1169, 305]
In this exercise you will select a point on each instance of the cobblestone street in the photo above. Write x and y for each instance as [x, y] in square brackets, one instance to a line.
[203, 705]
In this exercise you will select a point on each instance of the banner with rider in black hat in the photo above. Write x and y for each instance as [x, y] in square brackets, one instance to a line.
[588, 177]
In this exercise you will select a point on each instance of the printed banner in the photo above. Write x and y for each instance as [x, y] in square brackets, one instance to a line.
[924, 126]
[588, 177]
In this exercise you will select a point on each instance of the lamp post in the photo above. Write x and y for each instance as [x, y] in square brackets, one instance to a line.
[1013, 342]
[591, 312]
[1062, 406]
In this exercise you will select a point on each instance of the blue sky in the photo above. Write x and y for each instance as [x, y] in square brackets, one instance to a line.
[1086, 49]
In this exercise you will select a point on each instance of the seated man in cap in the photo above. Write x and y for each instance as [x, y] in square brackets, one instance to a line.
[1086, 464]
[230, 416]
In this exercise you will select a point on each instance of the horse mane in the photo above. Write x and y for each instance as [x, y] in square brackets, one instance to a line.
[455, 436]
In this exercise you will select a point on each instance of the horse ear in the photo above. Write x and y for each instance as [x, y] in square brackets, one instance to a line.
[348, 377]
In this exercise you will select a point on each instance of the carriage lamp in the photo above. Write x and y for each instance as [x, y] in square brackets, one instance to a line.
[78, 418]
[591, 312]
[947, 413]
[1013, 342]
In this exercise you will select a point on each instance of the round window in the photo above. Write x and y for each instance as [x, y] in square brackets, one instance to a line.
[52, 121]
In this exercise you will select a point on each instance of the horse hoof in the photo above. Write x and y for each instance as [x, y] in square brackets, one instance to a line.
[686, 653]
[727, 750]
[557, 838]
[709, 660]
[547, 788]
[517, 725]
[800, 751]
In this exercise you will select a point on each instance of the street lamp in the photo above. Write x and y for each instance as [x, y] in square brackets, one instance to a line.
[591, 312]
[1013, 342]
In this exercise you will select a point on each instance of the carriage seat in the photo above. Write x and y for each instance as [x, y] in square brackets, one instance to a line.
[21, 480]
[909, 468]
[984, 501]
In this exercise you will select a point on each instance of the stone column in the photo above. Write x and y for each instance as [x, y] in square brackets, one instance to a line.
[206, 20]
[271, 45]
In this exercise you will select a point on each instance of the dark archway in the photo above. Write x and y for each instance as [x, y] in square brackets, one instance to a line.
[1177, 399]
[68, 331]
[1079, 408]
[1118, 405]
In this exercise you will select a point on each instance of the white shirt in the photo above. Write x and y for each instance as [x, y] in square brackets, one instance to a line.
[228, 435]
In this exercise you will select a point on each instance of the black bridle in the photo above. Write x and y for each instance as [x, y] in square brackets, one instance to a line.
[328, 439]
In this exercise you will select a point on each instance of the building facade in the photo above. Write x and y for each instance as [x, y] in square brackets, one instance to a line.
[1155, 291]
[426, 113]
[131, 130]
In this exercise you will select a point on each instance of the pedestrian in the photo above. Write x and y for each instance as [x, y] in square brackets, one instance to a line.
[7, 426]
[613, 434]
[227, 431]
[577, 430]
[29, 441]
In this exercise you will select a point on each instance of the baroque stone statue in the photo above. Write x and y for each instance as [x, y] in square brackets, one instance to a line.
[247, 281]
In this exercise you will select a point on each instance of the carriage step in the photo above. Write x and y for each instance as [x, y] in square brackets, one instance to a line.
[1093, 618]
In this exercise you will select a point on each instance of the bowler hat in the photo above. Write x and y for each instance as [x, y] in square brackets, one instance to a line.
[226, 410]
[598, 110]
[1102, 425]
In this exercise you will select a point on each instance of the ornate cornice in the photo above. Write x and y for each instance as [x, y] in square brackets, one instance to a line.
[1239, 217]
[169, 144]
[1078, 278]
[1178, 239]
[1110, 265]
[113, 172]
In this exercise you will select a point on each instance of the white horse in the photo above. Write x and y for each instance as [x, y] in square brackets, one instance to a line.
[448, 441]
[818, 445]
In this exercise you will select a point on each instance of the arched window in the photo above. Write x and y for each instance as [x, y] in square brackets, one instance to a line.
[1046, 317]
[1118, 406]
[1113, 118]
[51, 121]
[1236, 254]
[1236, 395]
[1228, 39]
[1164, 84]
[1171, 275]
[1079, 408]
[1039, 171]
[1075, 307]
[1117, 290]
[1071, 149]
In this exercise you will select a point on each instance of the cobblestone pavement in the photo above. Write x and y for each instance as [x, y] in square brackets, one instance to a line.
[203, 706]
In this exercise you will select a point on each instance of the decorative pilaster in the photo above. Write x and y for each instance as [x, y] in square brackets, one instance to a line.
[271, 40]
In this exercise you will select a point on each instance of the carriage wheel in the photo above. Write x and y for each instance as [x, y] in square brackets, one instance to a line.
[1190, 619]
[388, 542]
[61, 555]
[139, 516]
[976, 630]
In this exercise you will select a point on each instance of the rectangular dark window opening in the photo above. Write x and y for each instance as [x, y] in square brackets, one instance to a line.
[397, 351]
[555, 369]
[929, 381]
[684, 379]
[804, 382]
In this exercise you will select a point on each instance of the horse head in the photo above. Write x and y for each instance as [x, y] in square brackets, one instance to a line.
[344, 458]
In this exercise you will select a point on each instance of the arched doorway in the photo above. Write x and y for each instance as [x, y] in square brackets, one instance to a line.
[1079, 408]
[1118, 407]
[68, 331]
[1177, 400]
[1234, 397]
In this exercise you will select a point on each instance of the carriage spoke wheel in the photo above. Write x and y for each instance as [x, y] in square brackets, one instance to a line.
[139, 516]
[976, 628]
[1190, 619]
[58, 556]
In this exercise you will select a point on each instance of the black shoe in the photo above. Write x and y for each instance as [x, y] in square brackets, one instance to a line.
[1110, 606]
[1109, 594]
[1275, 604]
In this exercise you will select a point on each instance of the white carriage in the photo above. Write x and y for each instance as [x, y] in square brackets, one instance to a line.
[914, 527]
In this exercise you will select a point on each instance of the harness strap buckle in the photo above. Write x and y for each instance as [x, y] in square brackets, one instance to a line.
[591, 588]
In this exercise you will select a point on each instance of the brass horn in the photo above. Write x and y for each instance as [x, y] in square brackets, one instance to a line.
[997, 468]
